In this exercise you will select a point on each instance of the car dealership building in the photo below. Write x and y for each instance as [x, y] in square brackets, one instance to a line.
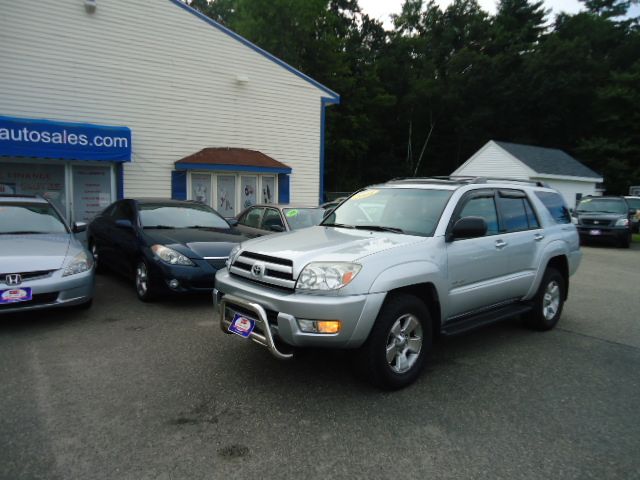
[102, 100]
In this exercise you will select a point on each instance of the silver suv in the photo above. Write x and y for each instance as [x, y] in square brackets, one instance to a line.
[400, 263]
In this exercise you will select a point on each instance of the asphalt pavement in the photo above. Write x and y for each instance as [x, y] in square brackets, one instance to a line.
[129, 390]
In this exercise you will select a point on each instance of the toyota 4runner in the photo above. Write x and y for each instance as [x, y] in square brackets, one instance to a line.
[400, 263]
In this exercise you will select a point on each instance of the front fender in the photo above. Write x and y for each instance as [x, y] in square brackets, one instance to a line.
[407, 274]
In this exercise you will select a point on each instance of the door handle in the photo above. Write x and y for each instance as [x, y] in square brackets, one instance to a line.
[500, 244]
[538, 236]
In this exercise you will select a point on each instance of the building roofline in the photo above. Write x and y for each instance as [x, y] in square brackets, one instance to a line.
[333, 96]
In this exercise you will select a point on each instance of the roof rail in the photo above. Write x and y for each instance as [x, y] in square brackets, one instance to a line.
[464, 180]
[537, 183]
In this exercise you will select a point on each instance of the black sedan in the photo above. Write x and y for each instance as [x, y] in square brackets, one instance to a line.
[166, 245]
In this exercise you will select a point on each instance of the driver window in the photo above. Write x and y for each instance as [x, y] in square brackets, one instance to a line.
[484, 207]
[122, 211]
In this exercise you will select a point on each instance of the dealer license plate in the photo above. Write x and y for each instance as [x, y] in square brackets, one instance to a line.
[595, 232]
[14, 295]
[242, 325]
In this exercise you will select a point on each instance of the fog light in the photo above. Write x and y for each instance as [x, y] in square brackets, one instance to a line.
[320, 326]
[173, 283]
[328, 326]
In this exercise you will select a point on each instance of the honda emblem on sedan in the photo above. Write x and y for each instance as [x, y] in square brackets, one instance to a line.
[13, 279]
[257, 270]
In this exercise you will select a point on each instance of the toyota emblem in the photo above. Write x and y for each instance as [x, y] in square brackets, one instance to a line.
[257, 270]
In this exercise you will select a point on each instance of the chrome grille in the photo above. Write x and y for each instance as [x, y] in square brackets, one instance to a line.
[596, 222]
[24, 276]
[263, 269]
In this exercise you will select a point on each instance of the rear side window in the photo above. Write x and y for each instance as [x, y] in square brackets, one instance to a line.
[556, 206]
[516, 214]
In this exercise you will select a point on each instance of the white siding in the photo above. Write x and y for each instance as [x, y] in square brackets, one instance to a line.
[168, 75]
[568, 189]
[493, 161]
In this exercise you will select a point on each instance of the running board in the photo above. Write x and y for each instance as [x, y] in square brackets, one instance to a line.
[466, 323]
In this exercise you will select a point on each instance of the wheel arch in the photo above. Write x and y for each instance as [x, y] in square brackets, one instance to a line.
[561, 264]
[428, 294]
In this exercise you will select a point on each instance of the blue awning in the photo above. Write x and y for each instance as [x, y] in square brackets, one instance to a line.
[26, 137]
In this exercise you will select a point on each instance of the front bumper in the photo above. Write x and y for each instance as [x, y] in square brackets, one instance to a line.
[54, 291]
[277, 314]
[603, 233]
[191, 279]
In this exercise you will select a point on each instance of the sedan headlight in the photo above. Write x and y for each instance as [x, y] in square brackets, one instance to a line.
[170, 256]
[232, 255]
[327, 275]
[80, 263]
[622, 222]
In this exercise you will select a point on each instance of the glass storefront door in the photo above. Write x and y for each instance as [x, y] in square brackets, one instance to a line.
[91, 191]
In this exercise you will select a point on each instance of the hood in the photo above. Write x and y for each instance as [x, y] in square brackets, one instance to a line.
[196, 242]
[600, 216]
[33, 252]
[328, 244]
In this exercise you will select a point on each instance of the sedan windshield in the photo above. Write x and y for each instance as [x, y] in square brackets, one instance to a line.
[414, 211]
[298, 218]
[156, 215]
[24, 218]
[602, 205]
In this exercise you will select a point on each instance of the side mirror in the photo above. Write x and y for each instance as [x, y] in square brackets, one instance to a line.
[124, 224]
[632, 211]
[469, 227]
[276, 228]
[79, 227]
[233, 222]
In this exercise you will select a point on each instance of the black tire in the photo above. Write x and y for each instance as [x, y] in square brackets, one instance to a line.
[404, 366]
[548, 302]
[144, 287]
[626, 241]
[93, 248]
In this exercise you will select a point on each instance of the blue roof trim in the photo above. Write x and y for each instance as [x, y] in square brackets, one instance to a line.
[230, 168]
[333, 95]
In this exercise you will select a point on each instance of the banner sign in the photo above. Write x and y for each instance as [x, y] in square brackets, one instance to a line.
[24, 137]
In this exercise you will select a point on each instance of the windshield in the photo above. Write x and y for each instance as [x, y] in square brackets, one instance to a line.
[298, 218]
[602, 205]
[414, 211]
[156, 215]
[24, 218]
[634, 203]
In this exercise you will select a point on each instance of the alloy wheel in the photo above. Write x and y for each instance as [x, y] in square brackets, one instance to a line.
[404, 343]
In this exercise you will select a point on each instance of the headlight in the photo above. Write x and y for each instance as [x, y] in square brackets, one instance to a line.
[232, 256]
[170, 256]
[80, 263]
[327, 275]
[622, 222]
[574, 220]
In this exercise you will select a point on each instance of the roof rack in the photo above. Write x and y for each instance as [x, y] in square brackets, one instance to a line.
[465, 180]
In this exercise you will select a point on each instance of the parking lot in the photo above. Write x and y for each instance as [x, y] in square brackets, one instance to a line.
[128, 390]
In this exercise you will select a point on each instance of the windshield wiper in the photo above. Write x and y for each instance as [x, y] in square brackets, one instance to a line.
[341, 225]
[160, 227]
[379, 228]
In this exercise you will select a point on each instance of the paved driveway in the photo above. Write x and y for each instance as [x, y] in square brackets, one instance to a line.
[135, 391]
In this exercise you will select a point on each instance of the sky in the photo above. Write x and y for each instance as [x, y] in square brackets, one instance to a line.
[381, 9]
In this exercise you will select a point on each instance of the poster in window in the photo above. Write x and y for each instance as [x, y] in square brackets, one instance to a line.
[91, 191]
[226, 201]
[34, 179]
[201, 188]
[249, 191]
[268, 189]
